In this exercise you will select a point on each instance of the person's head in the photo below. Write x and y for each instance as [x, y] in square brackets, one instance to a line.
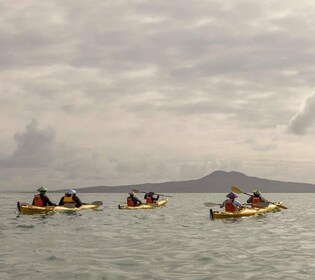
[70, 192]
[131, 194]
[232, 195]
[256, 193]
[42, 190]
[150, 194]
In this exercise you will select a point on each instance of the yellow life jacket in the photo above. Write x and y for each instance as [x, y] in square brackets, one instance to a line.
[68, 199]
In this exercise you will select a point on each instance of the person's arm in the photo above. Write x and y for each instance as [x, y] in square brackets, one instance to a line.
[77, 201]
[139, 202]
[222, 204]
[47, 201]
[61, 202]
[237, 204]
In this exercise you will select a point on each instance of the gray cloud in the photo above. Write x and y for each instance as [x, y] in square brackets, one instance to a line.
[304, 119]
[35, 148]
[142, 90]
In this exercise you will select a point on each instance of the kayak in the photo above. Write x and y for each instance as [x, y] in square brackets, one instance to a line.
[25, 208]
[245, 211]
[160, 203]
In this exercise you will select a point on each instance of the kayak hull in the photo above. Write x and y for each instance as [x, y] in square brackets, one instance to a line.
[31, 209]
[245, 212]
[160, 203]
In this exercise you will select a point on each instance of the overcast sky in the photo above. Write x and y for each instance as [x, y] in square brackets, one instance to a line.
[124, 92]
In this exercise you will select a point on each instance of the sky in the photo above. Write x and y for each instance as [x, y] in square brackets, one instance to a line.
[129, 92]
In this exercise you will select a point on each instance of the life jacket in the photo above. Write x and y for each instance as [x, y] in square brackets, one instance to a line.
[149, 200]
[130, 201]
[255, 201]
[38, 201]
[229, 207]
[68, 199]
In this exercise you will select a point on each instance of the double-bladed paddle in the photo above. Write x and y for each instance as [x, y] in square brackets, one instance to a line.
[137, 191]
[237, 190]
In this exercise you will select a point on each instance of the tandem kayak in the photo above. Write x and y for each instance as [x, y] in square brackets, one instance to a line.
[25, 208]
[160, 203]
[246, 211]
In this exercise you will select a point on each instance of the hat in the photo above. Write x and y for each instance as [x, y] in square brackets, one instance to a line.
[231, 195]
[42, 189]
[71, 192]
[256, 192]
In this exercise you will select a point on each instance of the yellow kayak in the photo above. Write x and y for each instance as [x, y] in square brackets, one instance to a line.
[160, 203]
[246, 211]
[25, 208]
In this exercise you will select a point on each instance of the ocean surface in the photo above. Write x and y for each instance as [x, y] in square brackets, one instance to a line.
[178, 241]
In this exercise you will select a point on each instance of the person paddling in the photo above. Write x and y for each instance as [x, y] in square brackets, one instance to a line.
[70, 198]
[230, 204]
[132, 200]
[41, 199]
[151, 197]
[255, 199]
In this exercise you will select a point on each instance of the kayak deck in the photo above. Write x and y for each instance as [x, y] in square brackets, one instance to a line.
[31, 209]
[160, 203]
[245, 212]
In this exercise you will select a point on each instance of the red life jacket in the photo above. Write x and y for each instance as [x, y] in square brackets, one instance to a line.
[149, 200]
[38, 201]
[255, 201]
[130, 201]
[229, 207]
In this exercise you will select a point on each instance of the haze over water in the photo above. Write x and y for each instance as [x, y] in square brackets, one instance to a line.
[175, 242]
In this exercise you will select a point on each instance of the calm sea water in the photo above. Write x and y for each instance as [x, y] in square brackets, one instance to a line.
[175, 242]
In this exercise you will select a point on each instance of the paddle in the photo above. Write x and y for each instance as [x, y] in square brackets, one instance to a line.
[137, 191]
[210, 204]
[237, 190]
[99, 203]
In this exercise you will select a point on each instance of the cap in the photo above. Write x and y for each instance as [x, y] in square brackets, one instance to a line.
[231, 195]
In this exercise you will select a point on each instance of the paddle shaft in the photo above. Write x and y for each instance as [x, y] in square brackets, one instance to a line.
[137, 191]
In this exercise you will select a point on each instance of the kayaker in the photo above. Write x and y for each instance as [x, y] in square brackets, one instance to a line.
[230, 204]
[70, 197]
[150, 198]
[132, 200]
[256, 198]
[42, 199]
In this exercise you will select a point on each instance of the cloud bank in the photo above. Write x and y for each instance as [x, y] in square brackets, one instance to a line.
[108, 93]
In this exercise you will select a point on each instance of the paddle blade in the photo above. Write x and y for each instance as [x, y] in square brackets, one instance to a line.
[136, 191]
[235, 189]
[99, 203]
[281, 206]
[164, 195]
[210, 204]
[262, 204]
